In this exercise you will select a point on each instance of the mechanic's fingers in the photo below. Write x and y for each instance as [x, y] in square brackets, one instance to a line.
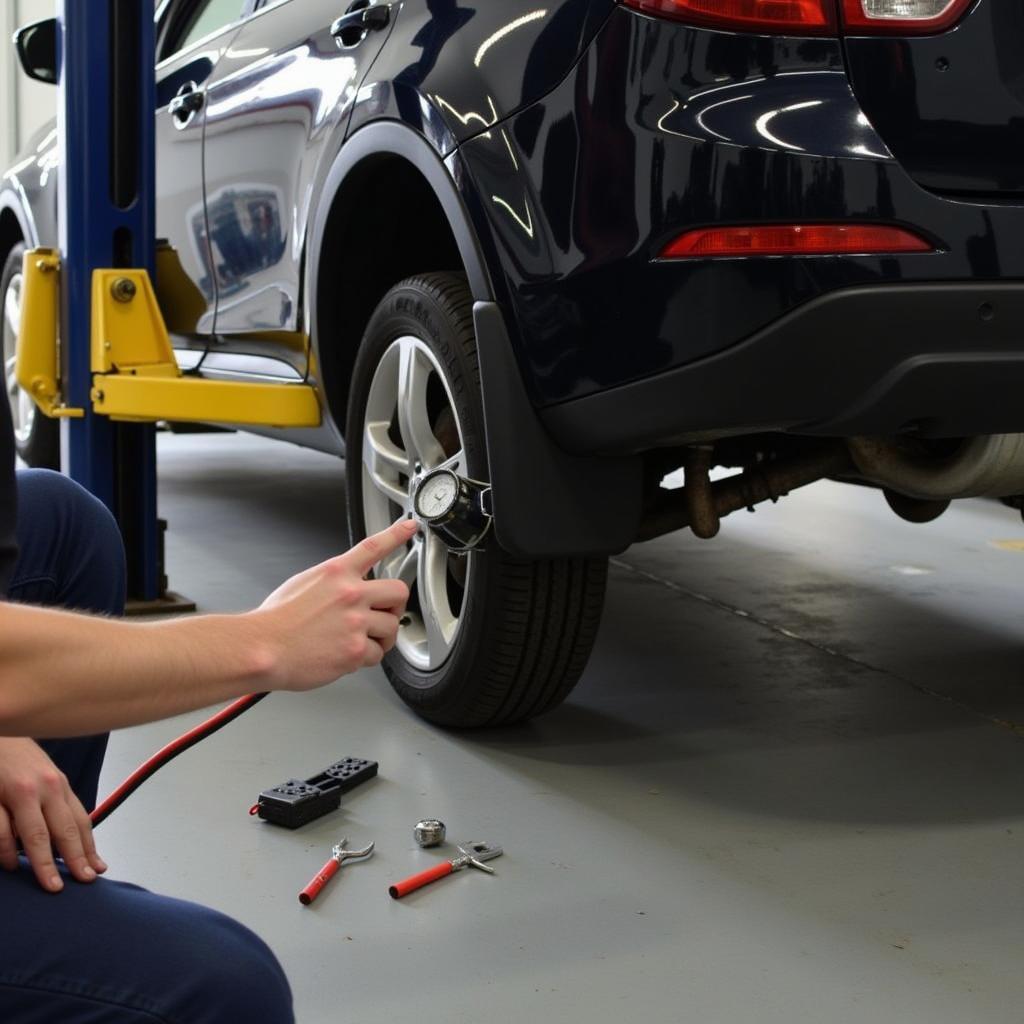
[374, 653]
[66, 835]
[367, 553]
[85, 830]
[35, 838]
[8, 844]
[382, 627]
[386, 595]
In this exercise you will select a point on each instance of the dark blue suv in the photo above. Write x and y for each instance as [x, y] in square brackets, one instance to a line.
[538, 255]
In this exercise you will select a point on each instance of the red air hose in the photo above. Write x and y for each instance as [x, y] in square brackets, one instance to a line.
[170, 752]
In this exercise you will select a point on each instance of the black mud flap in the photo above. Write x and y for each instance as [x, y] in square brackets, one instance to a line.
[547, 503]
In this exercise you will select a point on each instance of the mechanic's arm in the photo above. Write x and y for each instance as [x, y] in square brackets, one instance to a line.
[62, 674]
[65, 674]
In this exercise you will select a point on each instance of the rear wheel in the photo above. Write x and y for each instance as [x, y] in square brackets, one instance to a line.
[488, 638]
[36, 437]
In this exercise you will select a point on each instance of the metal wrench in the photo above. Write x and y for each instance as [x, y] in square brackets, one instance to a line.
[473, 855]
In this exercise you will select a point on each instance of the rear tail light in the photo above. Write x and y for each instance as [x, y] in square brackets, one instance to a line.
[812, 17]
[901, 17]
[781, 17]
[794, 240]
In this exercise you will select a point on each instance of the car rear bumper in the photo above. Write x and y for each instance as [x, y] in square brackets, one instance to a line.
[662, 128]
[939, 359]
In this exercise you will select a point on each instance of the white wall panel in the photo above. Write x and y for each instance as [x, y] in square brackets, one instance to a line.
[37, 102]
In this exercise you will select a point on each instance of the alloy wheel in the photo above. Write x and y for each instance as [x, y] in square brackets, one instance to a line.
[411, 428]
[23, 410]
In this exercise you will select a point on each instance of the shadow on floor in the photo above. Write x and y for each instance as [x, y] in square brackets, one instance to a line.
[745, 711]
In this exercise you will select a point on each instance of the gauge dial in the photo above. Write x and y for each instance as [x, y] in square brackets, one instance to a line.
[437, 495]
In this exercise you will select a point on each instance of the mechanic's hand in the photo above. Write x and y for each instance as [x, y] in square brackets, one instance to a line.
[330, 620]
[38, 807]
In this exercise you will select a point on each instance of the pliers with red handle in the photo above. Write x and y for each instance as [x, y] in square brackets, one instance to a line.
[339, 854]
[473, 855]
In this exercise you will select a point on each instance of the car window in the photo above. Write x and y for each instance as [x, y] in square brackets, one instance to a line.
[206, 17]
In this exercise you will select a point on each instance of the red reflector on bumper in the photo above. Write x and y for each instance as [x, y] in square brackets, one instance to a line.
[793, 17]
[794, 240]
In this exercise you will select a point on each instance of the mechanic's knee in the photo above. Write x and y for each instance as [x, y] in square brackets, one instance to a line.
[83, 551]
[38, 487]
[239, 975]
[79, 511]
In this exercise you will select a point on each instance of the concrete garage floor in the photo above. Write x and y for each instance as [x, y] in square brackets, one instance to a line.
[788, 788]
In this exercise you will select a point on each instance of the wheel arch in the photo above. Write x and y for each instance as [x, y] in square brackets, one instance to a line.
[389, 208]
[592, 505]
[14, 226]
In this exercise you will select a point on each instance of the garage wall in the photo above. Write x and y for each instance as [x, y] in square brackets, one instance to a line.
[24, 104]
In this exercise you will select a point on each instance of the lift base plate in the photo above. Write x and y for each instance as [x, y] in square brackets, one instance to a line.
[168, 603]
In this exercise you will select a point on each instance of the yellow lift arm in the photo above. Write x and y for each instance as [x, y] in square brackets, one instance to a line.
[135, 374]
[37, 363]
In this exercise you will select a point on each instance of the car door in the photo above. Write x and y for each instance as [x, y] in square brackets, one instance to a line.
[277, 104]
[192, 36]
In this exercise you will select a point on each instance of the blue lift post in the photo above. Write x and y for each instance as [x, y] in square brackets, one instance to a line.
[106, 212]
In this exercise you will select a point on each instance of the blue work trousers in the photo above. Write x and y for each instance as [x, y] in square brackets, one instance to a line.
[109, 952]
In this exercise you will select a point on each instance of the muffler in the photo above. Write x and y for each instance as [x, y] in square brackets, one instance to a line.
[989, 466]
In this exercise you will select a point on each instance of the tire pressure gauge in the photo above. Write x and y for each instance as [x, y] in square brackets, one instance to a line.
[456, 509]
[437, 495]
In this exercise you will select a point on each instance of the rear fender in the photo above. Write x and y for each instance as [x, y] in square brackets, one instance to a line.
[547, 503]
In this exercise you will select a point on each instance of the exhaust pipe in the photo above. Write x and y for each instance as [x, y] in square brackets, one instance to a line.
[990, 466]
[701, 504]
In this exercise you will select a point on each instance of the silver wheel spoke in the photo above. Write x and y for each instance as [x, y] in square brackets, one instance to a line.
[391, 491]
[12, 306]
[384, 462]
[402, 564]
[413, 419]
[22, 408]
[410, 563]
[383, 450]
[26, 409]
[454, 463]
[432, 578]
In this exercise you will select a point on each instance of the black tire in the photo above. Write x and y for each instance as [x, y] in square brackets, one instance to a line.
[526, 627]
[40, 447]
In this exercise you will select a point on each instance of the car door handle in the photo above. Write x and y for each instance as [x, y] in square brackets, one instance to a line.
[351, 28]
[189, 101]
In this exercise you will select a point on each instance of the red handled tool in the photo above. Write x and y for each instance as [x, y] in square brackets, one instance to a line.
[339, 854]
[473, 855]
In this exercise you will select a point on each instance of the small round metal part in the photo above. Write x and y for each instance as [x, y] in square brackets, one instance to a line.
[123, 289]
[429, 832]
